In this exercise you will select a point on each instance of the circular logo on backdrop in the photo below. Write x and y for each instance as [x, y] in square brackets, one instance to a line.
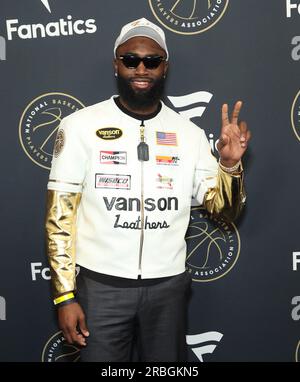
[213, 246]
[39, 125]
[295, 115]
[188, 16]
[58, 350]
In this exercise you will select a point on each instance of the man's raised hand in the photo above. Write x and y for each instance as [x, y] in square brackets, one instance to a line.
[234, 137]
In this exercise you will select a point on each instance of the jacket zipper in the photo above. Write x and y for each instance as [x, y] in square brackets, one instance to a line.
[142, 139]
[142, 218]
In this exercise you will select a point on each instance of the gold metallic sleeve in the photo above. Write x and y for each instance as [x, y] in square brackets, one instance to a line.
[228, 198]
[61, 217]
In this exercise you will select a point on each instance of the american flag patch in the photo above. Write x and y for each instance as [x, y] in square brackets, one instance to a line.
[167, 139]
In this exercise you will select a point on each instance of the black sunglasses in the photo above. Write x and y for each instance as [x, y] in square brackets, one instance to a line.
[132, 61]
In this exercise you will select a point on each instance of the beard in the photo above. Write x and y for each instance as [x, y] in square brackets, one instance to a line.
[140, 99]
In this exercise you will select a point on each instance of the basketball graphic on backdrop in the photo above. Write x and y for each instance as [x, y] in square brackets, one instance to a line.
[213, 246]
[295, 115]
[188, 17]
[57, 349]
[40, 122]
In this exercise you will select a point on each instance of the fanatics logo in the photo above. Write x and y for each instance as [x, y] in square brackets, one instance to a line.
[292, 7]
[296, 260]
[60, 28]
[113, 181]
[191, 105]
[203, 343]
[166, 139]
[46, 4]
[113, 157]
[167, 160]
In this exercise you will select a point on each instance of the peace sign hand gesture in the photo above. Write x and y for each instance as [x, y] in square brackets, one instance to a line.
[234, 138]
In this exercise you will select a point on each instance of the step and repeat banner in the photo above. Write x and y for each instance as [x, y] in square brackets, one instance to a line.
[56, 58]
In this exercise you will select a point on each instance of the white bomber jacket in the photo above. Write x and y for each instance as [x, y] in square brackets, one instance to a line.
[114, 214]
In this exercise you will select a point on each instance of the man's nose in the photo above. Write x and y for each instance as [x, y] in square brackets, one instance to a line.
[141, 69]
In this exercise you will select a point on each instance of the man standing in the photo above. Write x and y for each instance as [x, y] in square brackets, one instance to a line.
[119, 193]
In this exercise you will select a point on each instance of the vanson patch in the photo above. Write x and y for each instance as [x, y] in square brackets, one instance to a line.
[109, 133]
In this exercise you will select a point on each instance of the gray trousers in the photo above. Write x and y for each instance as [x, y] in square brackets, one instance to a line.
[145, 323]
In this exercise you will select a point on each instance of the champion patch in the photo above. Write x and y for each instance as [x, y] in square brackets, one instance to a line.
[113, 157]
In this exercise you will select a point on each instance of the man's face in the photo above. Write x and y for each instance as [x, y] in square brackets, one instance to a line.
[140, 87]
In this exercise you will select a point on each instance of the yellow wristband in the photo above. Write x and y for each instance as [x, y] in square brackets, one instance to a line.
[65, 297]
